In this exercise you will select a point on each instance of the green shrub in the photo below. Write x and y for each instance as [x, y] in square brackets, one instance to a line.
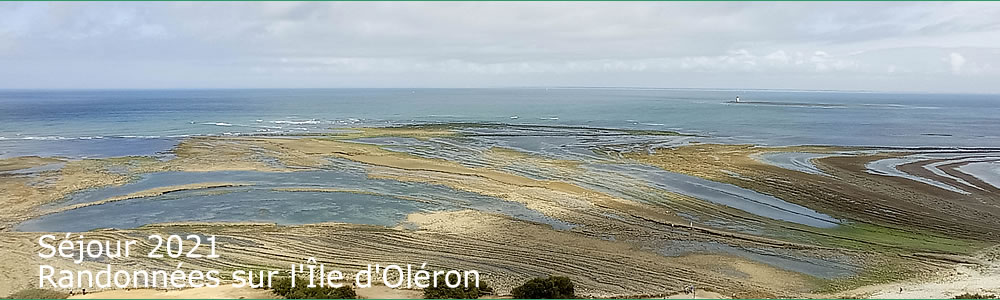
[282, 286]
[344, 292]
[553, 287]
[38, 294]
[975, 296]
[442, 291]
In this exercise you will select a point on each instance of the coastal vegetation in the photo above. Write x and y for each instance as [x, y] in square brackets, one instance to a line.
[282, 286]
[460, 292]
[552, 287]
[38, 294]
[975, 296]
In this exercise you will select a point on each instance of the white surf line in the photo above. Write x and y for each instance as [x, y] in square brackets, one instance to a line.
[934, 168]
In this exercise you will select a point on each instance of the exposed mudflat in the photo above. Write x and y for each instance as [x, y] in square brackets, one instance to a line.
[623, 213]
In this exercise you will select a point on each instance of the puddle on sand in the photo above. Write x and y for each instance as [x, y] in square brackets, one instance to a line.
[722, 193]
[615, 179]
[238, 205]
[889, 167]
[378, 202]
[795, 161]
[988, 172]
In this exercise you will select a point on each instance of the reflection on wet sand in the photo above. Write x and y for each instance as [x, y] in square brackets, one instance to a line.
[595, 204]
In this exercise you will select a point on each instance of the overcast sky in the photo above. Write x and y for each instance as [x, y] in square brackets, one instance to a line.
[885, 46]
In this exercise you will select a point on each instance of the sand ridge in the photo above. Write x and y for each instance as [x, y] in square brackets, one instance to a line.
[505, 250]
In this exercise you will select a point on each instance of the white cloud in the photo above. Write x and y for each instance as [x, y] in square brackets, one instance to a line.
[957, 61]
[779, 57]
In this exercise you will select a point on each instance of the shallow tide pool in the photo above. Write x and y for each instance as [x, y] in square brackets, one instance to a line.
[349, 196]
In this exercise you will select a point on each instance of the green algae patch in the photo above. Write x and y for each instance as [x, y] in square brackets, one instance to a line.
[886, 271]
[862, 236]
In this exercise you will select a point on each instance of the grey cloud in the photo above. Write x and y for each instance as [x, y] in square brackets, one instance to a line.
[825, 45]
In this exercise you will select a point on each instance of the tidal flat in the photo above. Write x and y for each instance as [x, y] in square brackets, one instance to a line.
[624, 213]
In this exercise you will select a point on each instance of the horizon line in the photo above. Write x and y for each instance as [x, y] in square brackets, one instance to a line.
[567, 87]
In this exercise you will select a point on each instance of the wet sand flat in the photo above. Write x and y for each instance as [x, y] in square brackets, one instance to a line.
[617, 233]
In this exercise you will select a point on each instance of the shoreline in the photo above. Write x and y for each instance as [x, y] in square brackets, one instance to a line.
[638, 225]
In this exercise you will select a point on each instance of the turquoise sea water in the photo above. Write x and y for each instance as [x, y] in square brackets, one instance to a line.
[118, 122]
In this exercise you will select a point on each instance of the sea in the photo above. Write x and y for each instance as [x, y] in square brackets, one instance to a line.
[103, 123]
